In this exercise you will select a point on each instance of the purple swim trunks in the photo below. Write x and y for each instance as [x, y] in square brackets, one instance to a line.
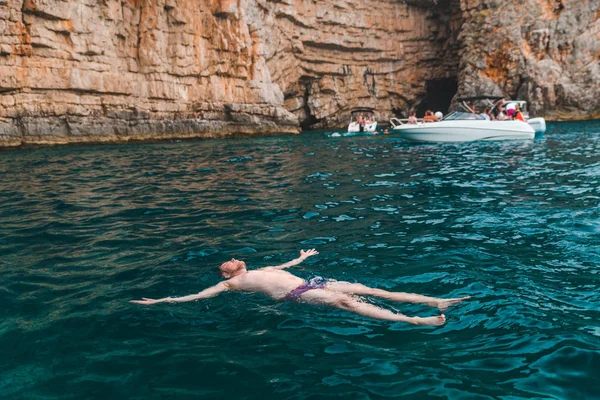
[315, 283]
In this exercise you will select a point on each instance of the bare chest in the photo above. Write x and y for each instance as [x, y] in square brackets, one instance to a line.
[275, 283]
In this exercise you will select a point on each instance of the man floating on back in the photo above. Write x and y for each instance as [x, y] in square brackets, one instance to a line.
[281, 285]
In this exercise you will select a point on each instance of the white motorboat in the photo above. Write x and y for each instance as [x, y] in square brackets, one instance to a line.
[462, 127]
[362, 120]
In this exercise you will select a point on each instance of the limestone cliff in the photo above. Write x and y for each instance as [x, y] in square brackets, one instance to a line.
[543, 51]
[119, 70]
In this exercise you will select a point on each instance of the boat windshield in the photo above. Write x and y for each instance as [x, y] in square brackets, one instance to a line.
[459, 116]
[366, 113]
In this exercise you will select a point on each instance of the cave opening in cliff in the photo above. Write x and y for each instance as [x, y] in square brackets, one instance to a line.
[310, 121]
[439, 94]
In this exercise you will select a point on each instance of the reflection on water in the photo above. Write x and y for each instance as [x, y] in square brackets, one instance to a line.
[514, 224]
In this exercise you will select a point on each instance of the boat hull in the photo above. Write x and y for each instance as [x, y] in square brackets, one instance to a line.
[465, 131]
[354, 127]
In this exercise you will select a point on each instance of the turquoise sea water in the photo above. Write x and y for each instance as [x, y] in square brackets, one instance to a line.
[516, 225]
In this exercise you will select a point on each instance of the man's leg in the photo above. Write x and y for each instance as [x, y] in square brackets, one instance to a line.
[345, 302]
[357, 288]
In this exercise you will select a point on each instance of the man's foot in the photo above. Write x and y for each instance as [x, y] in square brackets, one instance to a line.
[443, 304]
[430, 321]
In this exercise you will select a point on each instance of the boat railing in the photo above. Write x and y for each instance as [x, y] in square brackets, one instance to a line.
[399, 122]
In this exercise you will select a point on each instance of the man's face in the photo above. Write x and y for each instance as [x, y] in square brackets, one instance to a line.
[231, 268]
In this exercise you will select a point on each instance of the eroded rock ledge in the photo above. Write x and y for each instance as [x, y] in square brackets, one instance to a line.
[120, 70]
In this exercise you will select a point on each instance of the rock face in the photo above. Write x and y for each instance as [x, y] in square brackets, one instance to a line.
[120, 70]
[332, 56]
[543, 51]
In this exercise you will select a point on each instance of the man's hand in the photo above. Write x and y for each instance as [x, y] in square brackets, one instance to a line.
[305, 254]
[147, 302]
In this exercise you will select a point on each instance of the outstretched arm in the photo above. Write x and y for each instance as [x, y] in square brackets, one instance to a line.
[303, 256]
[205, 294]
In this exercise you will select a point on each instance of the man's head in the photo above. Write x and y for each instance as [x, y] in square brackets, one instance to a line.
[232, 268]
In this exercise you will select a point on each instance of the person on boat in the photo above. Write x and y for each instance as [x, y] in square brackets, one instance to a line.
[500, 116]
[518, 114]
[361, 123]
[429, 117]
[486, 114]
[281, 285]
[497, 110]
[510, 112]
[412, 119]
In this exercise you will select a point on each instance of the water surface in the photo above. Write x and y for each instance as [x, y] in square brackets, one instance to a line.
[516, 225]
